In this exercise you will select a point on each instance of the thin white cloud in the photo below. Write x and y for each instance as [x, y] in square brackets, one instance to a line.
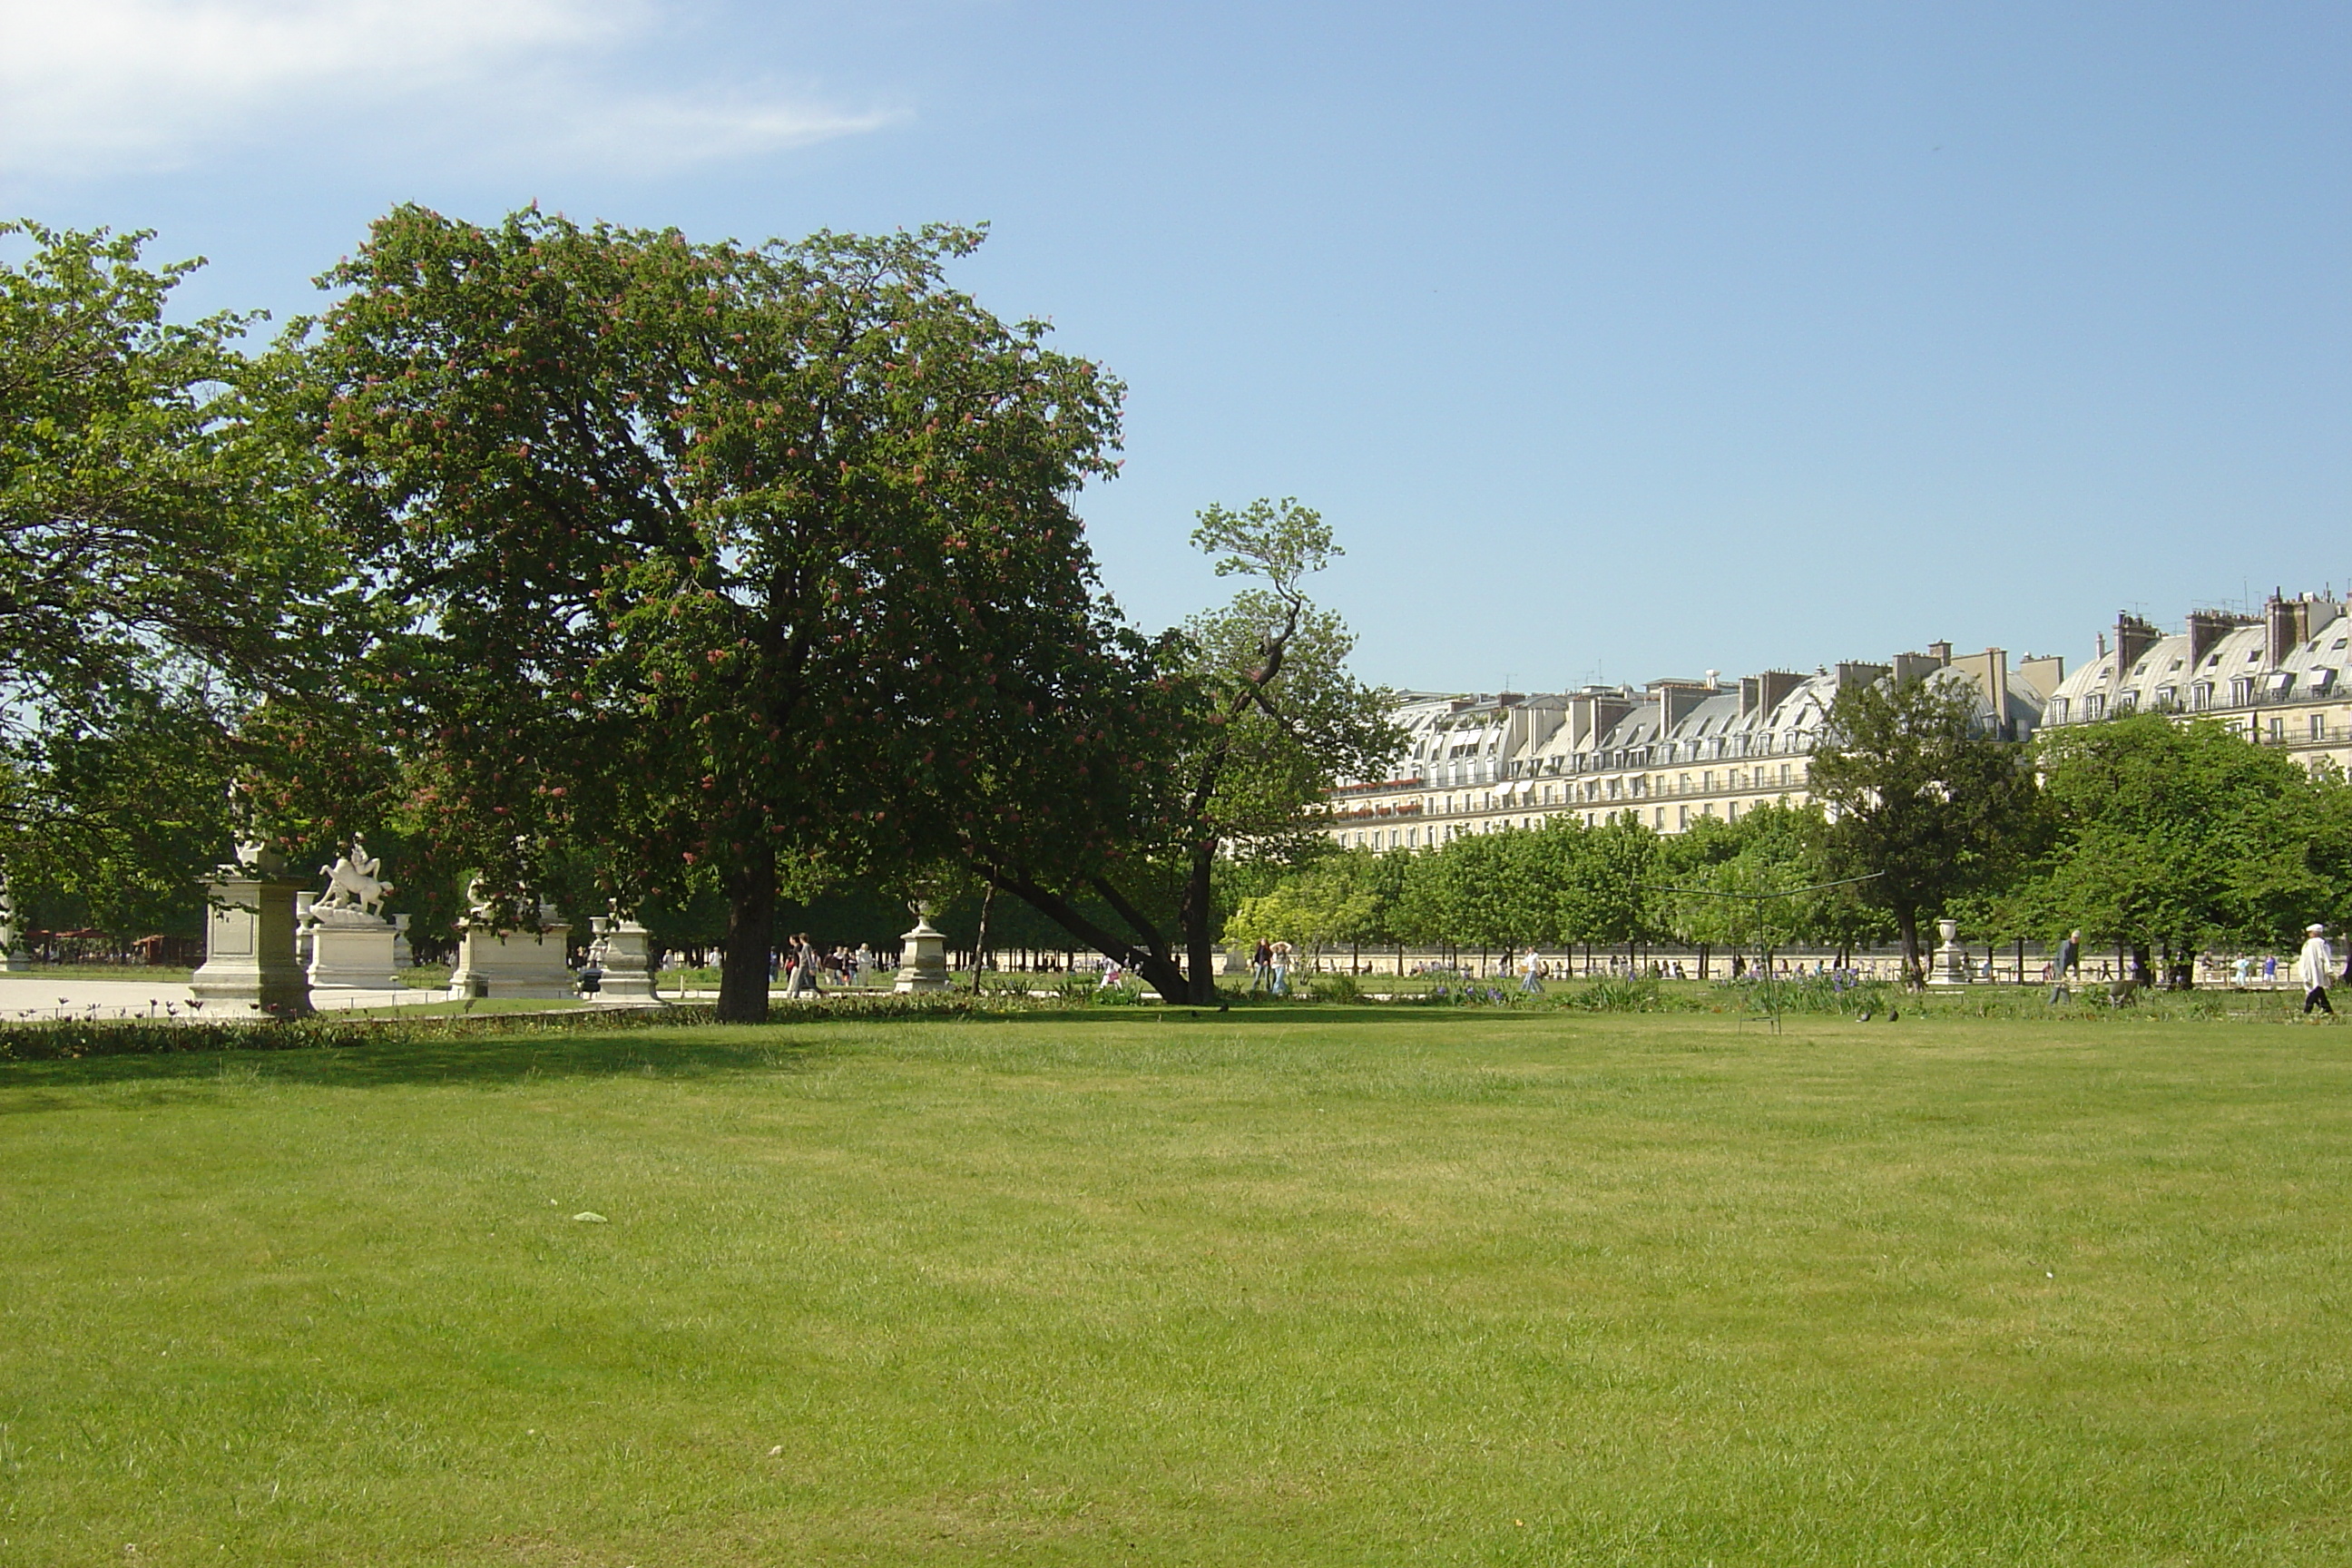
[97, 87]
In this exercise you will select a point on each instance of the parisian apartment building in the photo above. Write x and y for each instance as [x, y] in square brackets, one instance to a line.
[1673, 752]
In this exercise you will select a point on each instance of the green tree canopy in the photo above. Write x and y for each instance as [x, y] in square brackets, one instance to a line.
[746, 565]
[149, 573]
[2189, 835]
[1918, 798]
[1270, 720]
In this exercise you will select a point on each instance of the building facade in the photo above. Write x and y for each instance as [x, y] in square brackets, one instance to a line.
[1675, 751]
[2278, 675]
[1669, 753]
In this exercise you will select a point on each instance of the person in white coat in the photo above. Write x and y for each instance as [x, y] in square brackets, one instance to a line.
[2314, 967]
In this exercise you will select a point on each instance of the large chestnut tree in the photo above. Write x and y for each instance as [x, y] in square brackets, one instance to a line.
[746, 563]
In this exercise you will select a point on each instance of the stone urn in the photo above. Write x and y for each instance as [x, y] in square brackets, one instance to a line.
[925, 965]
[1949, 966]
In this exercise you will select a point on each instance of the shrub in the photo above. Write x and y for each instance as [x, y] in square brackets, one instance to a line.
[1835, 991]
[69, 1039]
[1335, 988]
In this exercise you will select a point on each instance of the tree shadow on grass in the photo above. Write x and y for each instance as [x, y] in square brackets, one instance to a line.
[686, 1051]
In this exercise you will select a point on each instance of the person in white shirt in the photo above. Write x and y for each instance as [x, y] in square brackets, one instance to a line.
[1532, 974]
[2314, 967]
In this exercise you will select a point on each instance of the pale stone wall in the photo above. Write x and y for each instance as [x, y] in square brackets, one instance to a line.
[1673, 752]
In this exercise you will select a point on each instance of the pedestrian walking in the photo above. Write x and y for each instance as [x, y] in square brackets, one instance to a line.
[804, 966]
[1261, 967]
[1278, 967]
[2070, 960]
[1531, 975]
[2314, 966]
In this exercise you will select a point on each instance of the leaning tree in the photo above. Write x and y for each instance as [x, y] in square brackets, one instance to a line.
[1225, 744]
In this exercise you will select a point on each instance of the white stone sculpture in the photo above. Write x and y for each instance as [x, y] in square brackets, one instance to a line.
[623, 953]
[496, 959]
[249, 968]
[349, 944]
[352, 882]
[924, 966]
[1950, 964]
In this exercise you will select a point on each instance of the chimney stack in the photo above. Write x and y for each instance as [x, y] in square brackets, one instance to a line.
[2290, 623]
[2133, 637]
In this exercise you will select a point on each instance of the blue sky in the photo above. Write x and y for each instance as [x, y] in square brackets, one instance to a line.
[1616, 339]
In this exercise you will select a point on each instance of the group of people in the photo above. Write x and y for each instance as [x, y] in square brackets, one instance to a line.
[799, 964]
[2315, 968]
[1270, 967]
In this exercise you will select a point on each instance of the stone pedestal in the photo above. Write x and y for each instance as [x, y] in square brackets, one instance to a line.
[352, 951]
[925, 964]
[511, 963]
[249, 967]
[401, 957]
[304, 902]
[623, 951]
[1949, 966]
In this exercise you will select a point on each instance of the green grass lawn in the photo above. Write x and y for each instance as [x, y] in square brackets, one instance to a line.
[1287, 1285]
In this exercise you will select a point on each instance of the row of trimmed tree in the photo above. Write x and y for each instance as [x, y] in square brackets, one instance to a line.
[2158, 839]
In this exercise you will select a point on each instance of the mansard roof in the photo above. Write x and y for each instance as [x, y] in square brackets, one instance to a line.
[2167, 671]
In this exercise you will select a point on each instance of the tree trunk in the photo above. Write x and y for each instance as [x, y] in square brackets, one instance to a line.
[1199, 967]
[980, 942]
[1147, 958]
[1906, 922]
[750, 934]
